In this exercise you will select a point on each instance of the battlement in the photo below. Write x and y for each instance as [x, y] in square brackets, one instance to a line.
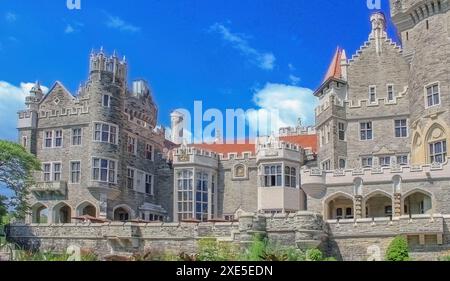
[100, 62]
[359, 104]
[315, 178]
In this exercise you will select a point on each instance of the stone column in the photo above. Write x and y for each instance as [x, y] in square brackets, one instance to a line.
[358, 207]
[397, 212]
[104, 206]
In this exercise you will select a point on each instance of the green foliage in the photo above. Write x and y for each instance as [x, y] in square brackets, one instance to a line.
[445, 258]
[41, 256]
[314, 255]
[257, 250]
[156, 255]
[330, 259]
[398, 250]
[212, 250]
[16, 173]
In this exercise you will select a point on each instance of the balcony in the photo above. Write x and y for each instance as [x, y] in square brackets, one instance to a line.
[57, 188]
[109, 189]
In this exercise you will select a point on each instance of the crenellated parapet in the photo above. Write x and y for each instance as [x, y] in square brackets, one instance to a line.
[317, 178]
[188, 156]
[407, 13]
[269, 148]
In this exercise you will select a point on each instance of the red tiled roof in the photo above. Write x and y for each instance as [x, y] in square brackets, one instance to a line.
[334, 70]
[227, 148]
[304, 141]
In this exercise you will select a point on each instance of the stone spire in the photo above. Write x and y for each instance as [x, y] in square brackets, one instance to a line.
[378, 21]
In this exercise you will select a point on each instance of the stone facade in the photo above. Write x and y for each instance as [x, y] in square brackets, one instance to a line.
[101, 151]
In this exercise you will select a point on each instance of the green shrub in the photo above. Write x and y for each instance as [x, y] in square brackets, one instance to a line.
[330, 259]
[257, 250]
[398, 250]
[212, 250]
[314, 255]
[444, 258]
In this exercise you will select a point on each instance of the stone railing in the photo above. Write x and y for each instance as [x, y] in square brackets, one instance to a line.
[59, 188]
[375, 227]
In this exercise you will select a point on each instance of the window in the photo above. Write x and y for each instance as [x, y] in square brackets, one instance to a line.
[130, 178]
[106, 101]
[326, 165]
[58, 138]
[272, 175]
[149, 152]
[390, 93]
[149, 184]
[104, 170]
[402, 160]
[290, 177]
[438, 152]
[48, 139]
[105, 133]
[384, 161]
[433, 97]
[76, 136]
[366, 131]
[25, 141]
[388, 210]
[201, 197]
[339, 213]
[75, 172]
[372, 94]
[56, 172]
[342, 164]
[401, 129]
[184, 179]
[47, 172]
[367, 162]
[341, 127]
[349, 213]
[131, 145]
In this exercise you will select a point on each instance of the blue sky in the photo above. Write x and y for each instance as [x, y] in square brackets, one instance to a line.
[227, 53]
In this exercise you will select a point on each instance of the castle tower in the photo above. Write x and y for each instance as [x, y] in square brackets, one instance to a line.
[424, 29]
[330, 114]
[177, 120]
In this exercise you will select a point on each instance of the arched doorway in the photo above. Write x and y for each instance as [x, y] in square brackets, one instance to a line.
[378, 205]
[62, 213]
[122, 214]
[39, 213]
[417, 203]
[88, 209]
[339, 206]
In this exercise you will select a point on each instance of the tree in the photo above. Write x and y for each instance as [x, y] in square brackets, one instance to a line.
[16, 173]
[3, 208]
[398, 250]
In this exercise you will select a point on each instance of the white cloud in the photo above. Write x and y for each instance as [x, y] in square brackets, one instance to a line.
[294, 79]
[69, 29]
[120, 24]
[291, 67]
[10, 17]
[12, 99]
[288, 102]
[263, 60]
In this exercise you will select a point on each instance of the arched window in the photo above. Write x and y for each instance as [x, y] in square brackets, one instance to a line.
[239, 171]
[437, 144]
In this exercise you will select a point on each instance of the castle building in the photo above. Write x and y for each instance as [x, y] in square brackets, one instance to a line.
[383, 124]
[103, 156]
[100, 149]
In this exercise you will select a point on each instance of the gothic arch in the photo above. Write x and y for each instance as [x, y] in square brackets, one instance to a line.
[123, 209]
[39, 213]
[239, 171]
[87, 208]
[426, 196]
[62, 213]
[378, 203]
[330, 209]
